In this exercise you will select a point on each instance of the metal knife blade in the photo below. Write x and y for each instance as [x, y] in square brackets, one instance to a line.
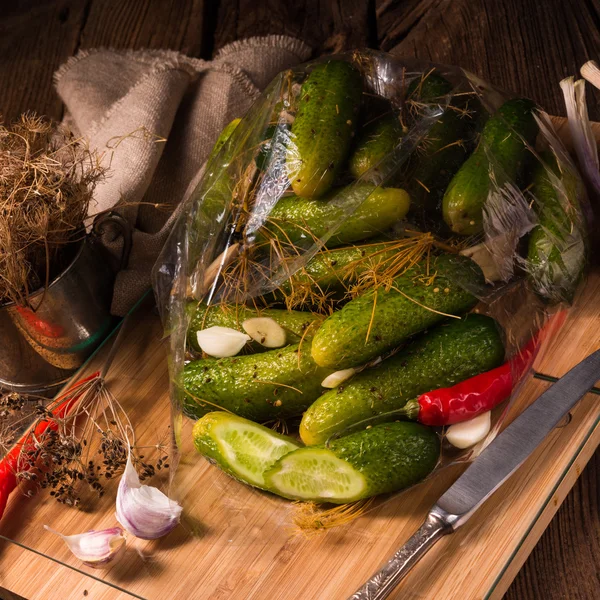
[486, 474]
[510, 449]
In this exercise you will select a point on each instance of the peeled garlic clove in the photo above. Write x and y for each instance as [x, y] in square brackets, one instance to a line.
[142, 510]
[483, 256]
[468, 433]
[265, 331]
[335, 379]
[95, 548]
[221, 341]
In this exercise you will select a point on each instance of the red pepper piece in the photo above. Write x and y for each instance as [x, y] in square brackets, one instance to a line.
[9, 465]
[476, 395]
[44, 327]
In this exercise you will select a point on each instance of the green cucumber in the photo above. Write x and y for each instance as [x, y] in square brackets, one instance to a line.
[385, 458]
[222, 140]
[502, 149]
[380, 320]
[216, 191]
[428, 87]
[449, 353]
[297, 324]
[241, 448]
[323, 127]
[375, 142]
[336, 269]
[557, 245]
[294, 220]
[274, 137]
[441, 154]
[277, 384]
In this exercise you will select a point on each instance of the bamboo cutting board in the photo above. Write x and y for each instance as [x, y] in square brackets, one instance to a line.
[249, 558]
[235, 543]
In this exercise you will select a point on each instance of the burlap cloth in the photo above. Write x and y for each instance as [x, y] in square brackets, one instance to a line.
[154, 115]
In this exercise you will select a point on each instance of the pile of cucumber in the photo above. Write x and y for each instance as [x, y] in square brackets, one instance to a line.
[338, 374]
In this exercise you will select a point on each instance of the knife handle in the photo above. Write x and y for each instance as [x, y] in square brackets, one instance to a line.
[389, 576]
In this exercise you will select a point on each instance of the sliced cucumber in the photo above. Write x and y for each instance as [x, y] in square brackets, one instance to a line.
[241, 448]
[316, 474]
[384, 458]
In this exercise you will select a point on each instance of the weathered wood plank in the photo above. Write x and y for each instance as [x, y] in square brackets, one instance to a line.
[566, 561]
[326, 26]
[169, 24]
[35, 38]
[525, 47]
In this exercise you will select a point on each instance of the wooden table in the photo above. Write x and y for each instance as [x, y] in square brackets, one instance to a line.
[516, 44]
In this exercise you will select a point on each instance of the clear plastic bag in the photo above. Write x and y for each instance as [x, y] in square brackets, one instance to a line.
[252, 237]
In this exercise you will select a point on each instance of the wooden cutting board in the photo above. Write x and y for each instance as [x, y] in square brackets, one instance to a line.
[235, 543]
[231, 546]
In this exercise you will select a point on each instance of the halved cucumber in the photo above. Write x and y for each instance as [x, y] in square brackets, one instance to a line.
[316, 474]
[384, 458]
[241, 448]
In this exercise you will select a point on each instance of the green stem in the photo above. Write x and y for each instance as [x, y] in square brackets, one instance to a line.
[409, 411]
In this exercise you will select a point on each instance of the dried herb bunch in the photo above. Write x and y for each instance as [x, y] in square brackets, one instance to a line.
[78, 452]
[47, 177]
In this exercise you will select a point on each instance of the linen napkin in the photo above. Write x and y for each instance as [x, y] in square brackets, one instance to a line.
[154, 116]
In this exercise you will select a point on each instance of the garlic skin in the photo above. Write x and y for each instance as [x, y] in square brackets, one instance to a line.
[335, 379]
[95, 548]
[221, 342]
[143, 510]
[266, 331]
[582, 135]
[468, 433]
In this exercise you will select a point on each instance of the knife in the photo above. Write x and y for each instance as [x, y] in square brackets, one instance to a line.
[486, 474]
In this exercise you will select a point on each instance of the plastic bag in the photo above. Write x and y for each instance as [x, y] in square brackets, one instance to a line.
[348, 174]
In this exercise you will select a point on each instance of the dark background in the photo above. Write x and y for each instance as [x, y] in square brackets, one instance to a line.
[525, 46]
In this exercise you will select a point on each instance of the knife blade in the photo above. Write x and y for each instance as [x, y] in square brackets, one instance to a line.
[486, 474]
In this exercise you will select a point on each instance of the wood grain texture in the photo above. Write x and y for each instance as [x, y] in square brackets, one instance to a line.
[145, 24]
[524, 47]
[326, 26]
[35, 39]
[565, 553]
[239, 540]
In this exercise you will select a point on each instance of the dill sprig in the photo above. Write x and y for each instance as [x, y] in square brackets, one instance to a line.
[80, 452]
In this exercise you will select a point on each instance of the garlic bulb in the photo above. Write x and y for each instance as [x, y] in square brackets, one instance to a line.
[266, 331]
[221, 341]
[95, 548]
[468, 433]
[335, 379]
[142, 510]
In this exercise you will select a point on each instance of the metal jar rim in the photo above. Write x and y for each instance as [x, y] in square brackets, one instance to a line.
[64, 272]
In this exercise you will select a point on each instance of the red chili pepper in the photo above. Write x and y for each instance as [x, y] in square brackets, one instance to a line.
[9, 465]
[474, 396]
